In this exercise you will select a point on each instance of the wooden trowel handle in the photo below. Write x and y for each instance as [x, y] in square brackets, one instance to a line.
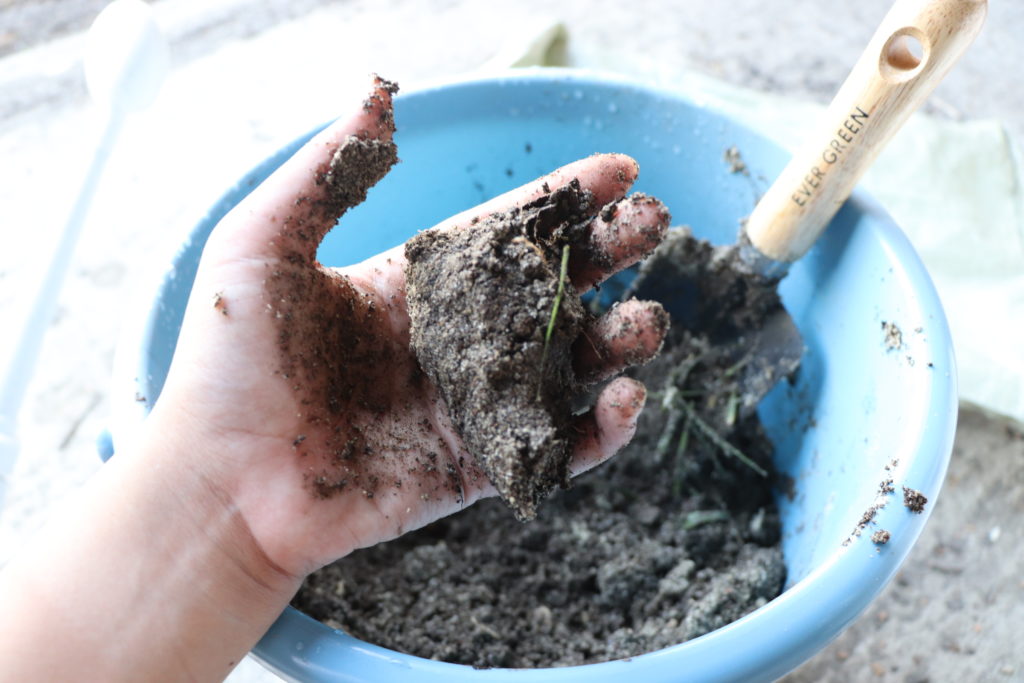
[916, 45]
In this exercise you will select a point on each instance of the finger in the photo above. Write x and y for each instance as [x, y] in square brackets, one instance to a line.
[609, 425]
[629, 334]
[623, 233]
[291, 211]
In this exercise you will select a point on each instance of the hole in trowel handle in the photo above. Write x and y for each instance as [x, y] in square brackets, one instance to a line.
[904, 54]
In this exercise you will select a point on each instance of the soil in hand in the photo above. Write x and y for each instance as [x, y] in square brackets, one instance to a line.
[674, 537]
[493, 323]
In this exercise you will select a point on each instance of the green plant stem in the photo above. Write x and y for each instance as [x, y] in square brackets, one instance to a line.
[563, 273]
[677, 470]
[709, 432]
[701, 517]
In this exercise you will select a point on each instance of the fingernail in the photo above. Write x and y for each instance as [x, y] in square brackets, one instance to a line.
[639, 395]
[628, 398]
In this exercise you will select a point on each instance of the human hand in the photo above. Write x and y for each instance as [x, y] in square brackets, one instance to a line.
[293, 393]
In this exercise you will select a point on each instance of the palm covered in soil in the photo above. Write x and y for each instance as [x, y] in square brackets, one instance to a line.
[308, 412]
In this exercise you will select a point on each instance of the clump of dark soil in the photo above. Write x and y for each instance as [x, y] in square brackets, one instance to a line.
[493, 324]
[674, 537]
[914, 500]
[718, 299]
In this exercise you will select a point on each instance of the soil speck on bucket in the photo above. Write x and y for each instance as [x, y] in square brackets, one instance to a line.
[893, 335]
[914, 499]
[733, 157]
[882, 494]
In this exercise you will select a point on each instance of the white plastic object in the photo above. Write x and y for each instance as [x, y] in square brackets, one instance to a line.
[126, 61]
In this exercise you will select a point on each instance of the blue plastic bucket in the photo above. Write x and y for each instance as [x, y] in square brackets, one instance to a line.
[858, 413]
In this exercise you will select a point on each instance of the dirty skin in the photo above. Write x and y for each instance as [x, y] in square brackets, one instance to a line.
[332, 339]
[491, 331]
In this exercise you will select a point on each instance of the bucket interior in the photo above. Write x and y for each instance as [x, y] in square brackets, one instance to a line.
[856, 413]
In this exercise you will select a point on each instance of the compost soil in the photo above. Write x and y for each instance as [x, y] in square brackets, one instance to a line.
[674, 537]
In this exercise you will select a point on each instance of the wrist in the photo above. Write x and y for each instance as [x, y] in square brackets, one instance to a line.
[206, 506]
[150, 573]
[198, 574]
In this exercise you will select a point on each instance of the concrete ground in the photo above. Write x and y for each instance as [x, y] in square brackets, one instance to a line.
[249, 76]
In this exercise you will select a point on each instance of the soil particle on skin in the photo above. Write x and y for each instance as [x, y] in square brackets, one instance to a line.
[220, 303]
[675, 536]
[480, 303]
[608, 213]
[914, 500]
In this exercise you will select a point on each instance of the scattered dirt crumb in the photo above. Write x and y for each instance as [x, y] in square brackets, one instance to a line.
[880, 537]
[914, 499]
[735, 160]
[893, 335]
[885, 489]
